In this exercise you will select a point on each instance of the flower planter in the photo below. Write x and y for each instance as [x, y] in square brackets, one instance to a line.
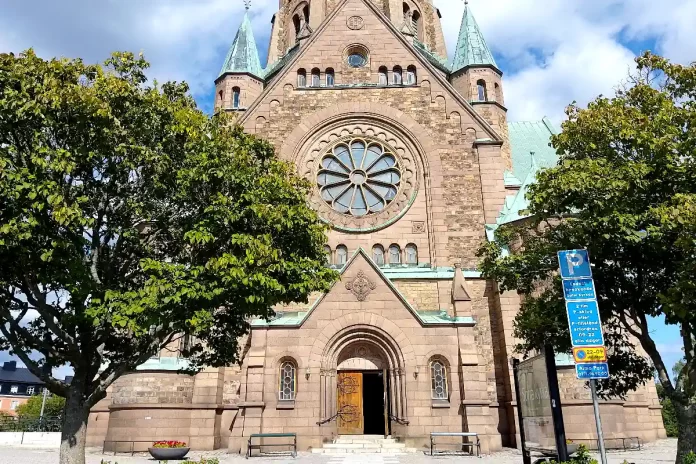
[165, 454]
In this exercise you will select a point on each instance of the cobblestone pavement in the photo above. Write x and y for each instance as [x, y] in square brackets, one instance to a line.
[655, 453]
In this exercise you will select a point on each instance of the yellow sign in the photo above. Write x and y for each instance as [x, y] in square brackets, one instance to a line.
[590, 355]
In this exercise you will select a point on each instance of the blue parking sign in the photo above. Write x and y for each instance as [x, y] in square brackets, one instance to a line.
[574, 264]
[579, 289]
[594, 371]
[585, 323]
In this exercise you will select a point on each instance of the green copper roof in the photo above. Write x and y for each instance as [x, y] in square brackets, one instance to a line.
[471, 46]
[243, 56]
[526, 138]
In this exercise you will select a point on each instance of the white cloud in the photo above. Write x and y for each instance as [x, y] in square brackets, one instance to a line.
[561, 51]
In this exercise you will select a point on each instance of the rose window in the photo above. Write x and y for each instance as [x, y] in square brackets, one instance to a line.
[359, 177]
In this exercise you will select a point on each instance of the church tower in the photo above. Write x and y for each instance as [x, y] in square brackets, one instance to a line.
[475, 75]
[241, 78]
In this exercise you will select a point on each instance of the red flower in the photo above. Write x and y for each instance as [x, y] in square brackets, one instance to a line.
[169, 444]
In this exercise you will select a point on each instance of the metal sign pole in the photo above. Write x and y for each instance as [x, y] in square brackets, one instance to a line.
[598, 420]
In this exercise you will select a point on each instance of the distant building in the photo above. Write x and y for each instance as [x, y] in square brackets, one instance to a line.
[17, 385]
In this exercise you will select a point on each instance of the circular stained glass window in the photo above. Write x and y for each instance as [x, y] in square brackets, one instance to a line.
[357, 60]
[359, 177]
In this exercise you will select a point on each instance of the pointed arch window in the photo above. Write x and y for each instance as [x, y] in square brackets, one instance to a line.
[288, 381]
[297, 24]
[411, 77]
[341, 255]
[301, 78]
[411, 254]
[235, 97]
[316, 77]
[330, 78]
[407, 10]
[221, 95]
[305, 14]
[378, 255]
[438, 377]
[482, 91]
[327, 254]
[383, 75]
[394, 254]
[397, 75]
[416, 23]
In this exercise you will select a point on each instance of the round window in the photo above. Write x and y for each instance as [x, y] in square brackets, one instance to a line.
[357, 60]
[356, 56]
[359, 177]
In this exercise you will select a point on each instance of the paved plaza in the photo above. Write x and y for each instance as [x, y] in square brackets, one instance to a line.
[660, 452]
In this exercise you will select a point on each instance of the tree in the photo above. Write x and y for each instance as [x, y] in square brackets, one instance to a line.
[130, 219]
[32, 408]
[625, 189]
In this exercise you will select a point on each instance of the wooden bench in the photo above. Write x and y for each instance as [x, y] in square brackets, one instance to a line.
[472, 445]
[261, 436]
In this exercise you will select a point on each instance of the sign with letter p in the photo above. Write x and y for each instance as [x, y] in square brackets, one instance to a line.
[574, 264]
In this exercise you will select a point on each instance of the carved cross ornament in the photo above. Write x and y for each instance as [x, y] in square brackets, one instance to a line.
[361, 286]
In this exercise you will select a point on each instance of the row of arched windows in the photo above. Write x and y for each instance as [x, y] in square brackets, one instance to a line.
[287, 380]
[395, 77]
[393, 255]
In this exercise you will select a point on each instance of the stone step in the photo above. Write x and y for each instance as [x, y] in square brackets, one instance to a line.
[352, 445]
[342, 451]
[363, 440]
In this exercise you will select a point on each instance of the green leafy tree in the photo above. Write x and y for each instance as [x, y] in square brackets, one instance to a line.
[32, 408]
[128, 219]
[625, 189]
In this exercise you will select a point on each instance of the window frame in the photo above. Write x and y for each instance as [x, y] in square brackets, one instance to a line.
[398, 249]
[379, 248]
[445, 380]
[482, 90]
[316, 78]
[282, 384]
[411, 246]
[301, 74]
[339, 250]
[383, 76]
[236, 97]
[14, 389]
[397, 71]
[30, 390]
[411, 75]
[330, 74]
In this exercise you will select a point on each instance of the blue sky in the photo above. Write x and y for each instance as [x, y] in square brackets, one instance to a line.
[553, 52]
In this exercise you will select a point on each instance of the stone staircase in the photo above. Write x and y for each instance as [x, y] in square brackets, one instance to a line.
[363, 444]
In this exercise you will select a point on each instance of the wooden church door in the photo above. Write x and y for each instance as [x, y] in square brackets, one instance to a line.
[350, 403]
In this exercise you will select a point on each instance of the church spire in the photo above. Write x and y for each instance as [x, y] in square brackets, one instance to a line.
[471, 46]
[243, 56]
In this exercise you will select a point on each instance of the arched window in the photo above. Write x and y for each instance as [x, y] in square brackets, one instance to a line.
[341, 254]
[398, 75]
[407, 10]
[383, 75]
[482, 92]
[301, 78]
[378, 255]
[330, 79]
[498, 97]
[415, 23]
[316, 77]
[327, 254]
[288, 381]
[394, 254]
[305, 14]
[411, 254]
[235, 97]
[438, 376]
[411, 78]
[220, 96]
[297, 24]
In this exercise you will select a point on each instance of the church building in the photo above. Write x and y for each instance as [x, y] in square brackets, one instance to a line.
[414, 165]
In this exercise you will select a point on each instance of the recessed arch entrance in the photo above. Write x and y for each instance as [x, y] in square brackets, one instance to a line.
[363, 381]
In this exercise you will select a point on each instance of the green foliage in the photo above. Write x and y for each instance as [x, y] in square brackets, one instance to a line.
[32, 408]
[689, 458]
[203, 461]
[625, 189]
[132, 218]
[582, 456]
[669, 415]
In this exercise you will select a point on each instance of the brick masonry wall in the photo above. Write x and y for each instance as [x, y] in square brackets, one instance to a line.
[157, 388]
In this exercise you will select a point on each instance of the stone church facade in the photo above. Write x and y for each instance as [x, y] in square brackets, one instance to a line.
[415, 164]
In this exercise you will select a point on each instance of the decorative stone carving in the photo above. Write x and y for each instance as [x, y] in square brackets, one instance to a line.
[361, 286]
[418, 227]
[355, 23]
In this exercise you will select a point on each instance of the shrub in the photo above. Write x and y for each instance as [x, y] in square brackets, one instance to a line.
[203, 461]
[689, 458]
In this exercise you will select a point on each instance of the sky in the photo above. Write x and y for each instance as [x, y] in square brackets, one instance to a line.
[552, 52]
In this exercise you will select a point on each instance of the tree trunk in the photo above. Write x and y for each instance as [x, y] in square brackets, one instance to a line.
[74, 433]
[686, 420]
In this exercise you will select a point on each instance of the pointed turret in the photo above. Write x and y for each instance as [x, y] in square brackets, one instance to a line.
[241, 78]
[472, 49]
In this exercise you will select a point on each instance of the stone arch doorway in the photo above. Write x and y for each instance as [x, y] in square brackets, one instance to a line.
[363, 382]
